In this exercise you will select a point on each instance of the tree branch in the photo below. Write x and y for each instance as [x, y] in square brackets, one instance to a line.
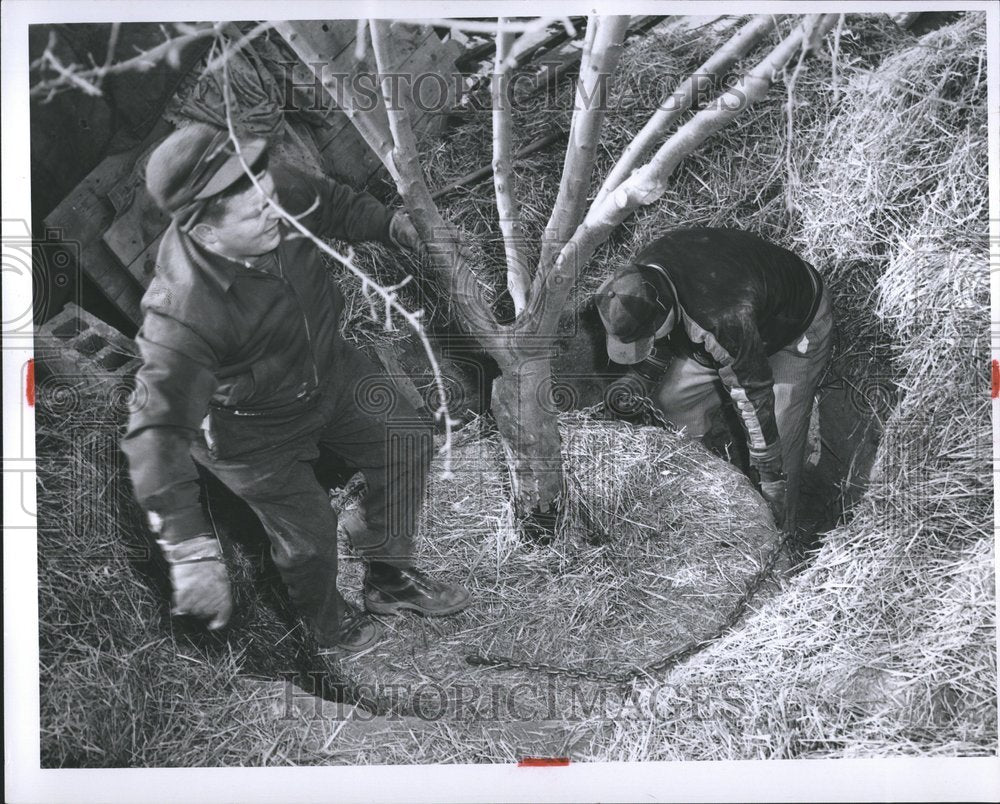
[649, 182]
[508, 211]
[343, 94]
[89, 80]
[598, 64]
[442, 239]
[472, 26]
[683, 98]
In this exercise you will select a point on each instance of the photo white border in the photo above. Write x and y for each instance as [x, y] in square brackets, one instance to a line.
[766, 780]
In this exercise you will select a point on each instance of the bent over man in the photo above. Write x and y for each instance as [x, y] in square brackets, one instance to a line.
[244, 370]
[702, 310]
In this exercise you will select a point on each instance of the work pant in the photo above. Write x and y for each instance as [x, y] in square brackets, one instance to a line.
[690, 392]
[372, 429]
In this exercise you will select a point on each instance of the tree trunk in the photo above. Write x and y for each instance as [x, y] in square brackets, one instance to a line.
[527, 419]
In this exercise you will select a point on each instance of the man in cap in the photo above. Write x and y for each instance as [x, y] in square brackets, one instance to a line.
[701, 313]
[244, 370]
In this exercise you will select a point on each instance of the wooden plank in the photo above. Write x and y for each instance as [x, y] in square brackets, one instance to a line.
[141, 223]
[87, 212]
[415, 50]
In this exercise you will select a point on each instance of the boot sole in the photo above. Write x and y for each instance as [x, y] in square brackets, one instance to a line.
[401, 606]
[338, 649]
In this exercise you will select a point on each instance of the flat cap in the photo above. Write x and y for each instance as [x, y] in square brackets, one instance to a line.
[194, 163]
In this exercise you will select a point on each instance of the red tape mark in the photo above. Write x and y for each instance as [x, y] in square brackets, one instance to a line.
[995, 365]
[543, 762]
[29, 382]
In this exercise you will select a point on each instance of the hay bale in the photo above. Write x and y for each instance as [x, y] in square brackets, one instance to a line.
[660, 540]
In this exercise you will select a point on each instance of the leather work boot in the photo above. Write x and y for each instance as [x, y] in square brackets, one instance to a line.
[411, 589]
[355, 632]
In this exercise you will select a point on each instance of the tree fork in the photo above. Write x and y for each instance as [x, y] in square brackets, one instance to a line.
[529, 430]
[648, 183]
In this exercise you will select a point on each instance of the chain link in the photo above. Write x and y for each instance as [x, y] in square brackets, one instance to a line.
[673, 658]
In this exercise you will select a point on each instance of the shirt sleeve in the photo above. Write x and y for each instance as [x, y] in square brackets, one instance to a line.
[173, 390]
[342, 212]
[744, 369]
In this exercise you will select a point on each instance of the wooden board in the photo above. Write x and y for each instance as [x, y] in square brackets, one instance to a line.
[138, 227]
[86, 213]
[416, 50]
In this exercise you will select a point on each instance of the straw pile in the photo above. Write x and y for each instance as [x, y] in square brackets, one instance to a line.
[886, 644]
[658, 544]
[122, 683]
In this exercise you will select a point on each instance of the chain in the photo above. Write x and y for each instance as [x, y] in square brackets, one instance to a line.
[673, 658]
[654, 412]
[660, 665]
[509, 663]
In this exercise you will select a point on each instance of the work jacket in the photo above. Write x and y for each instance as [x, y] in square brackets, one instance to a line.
[241, 353]
[739, 300]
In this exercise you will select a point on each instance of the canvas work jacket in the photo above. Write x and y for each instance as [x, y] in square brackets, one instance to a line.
[739, 299]
[225, 346]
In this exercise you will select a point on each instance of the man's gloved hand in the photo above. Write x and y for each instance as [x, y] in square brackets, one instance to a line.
[403, 233]
[775, 491]
[624, 397]
[200, 580]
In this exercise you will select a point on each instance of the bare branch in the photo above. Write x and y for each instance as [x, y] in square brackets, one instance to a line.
[683, 98]
[441, 238]
[112, 44]
[89, 80]
[599, 62]
[508, 210]
[387, 294]
[344, 95]
[648, 183]
[360, 46]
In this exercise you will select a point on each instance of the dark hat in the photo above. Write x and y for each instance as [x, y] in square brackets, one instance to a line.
[633, 303]
[194, 163]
